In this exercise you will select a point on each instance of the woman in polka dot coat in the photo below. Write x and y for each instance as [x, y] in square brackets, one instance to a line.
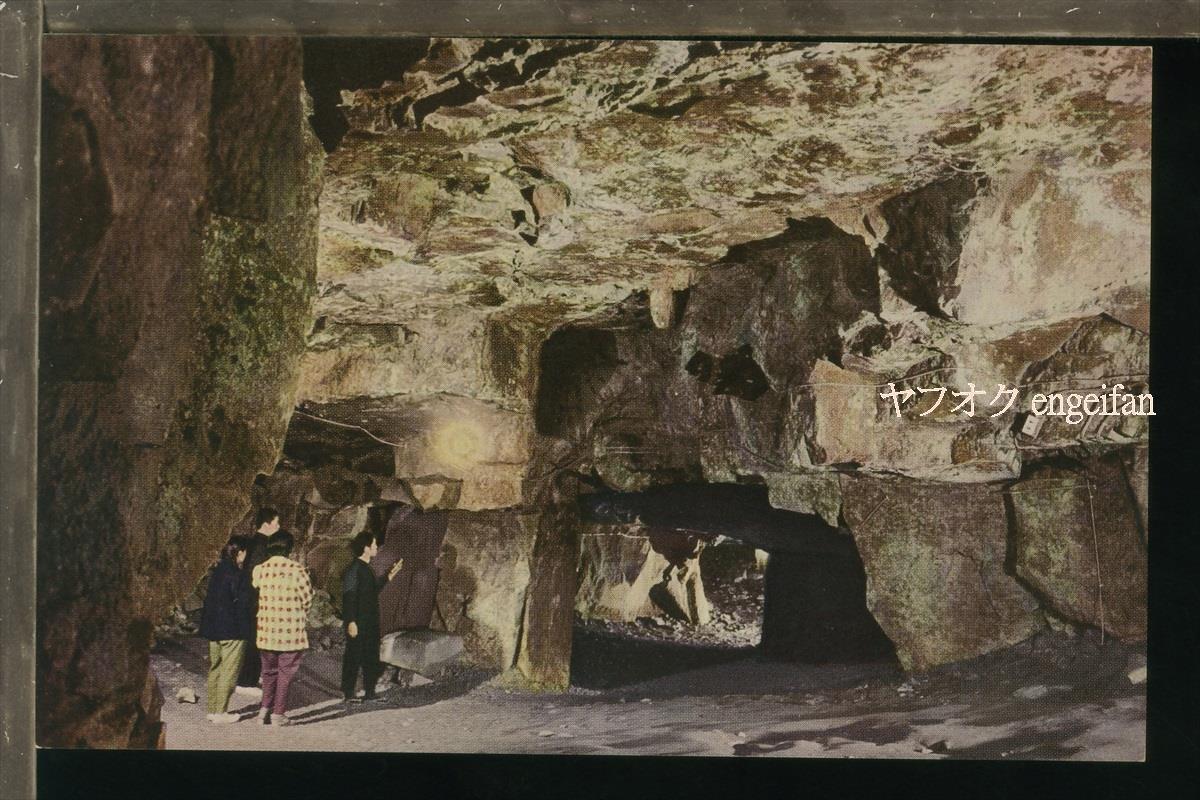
[284, 596]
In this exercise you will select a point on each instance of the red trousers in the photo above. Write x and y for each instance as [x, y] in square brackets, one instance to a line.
[278, 669]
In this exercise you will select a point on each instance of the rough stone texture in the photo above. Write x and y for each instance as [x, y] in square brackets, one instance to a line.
[934, 556]
[853, 424]
[547, 626]
[178, 270]
[806, 492]
[1077, 542]
[485, 576]
[699, 263]
[617, 568]
[619, 151]
[928, 440]
[486, 558]
[423, 652]
[627, 572]
[921, 240]
[681, 593]
[477, 448]
[621, 260]
[1054, 240]
[748, 202]
[1100, 354]
[447, 452]
[323, 508]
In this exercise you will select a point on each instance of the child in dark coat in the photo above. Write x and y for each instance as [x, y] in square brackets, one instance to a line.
[227, 621]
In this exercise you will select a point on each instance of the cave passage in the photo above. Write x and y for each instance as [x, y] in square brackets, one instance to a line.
[813, 595]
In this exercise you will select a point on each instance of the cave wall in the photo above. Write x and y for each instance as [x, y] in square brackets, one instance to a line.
[179, 241]
[572, 265]
[937, 573]
[617, 568]
[562, 266]
[1078, 542]
[485, 580]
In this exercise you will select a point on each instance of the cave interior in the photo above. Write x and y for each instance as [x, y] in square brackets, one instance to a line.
[593, 333]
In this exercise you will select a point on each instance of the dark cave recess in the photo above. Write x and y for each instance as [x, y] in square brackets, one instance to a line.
[814, 607]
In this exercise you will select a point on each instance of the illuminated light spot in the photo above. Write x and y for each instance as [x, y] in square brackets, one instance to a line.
[458, 443]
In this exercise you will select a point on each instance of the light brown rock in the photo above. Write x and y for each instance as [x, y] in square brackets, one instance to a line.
[617, 568]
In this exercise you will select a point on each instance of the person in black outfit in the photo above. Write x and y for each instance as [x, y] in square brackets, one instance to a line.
[227, 624]
[267, 523]
[360, 616]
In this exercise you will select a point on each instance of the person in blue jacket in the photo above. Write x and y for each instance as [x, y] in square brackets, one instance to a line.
[227, 621]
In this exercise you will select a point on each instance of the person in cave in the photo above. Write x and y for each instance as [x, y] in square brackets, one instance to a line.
[284, 596]
[266, 523]
[227, 621]
[360, 616]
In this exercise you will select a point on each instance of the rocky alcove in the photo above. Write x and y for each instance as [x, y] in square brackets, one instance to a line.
[580, 325]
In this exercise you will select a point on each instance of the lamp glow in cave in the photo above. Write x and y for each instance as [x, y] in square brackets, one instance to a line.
[458, 443]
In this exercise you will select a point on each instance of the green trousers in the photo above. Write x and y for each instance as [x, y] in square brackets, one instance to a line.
[224, 662]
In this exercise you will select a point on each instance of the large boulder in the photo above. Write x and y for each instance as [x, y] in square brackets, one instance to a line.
[806, 492]
[423, 652]
[853, 424]
[1100, 355]
[178, 270]
[679, 591]
[1078, 542]
[934, 556]
[485, 575]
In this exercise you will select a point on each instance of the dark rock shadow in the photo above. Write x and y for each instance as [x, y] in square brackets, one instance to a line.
[602, 660]
[868, 730]
[1032, 743]
[448, 685]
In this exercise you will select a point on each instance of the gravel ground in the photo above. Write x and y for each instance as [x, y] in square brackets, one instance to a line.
[1054, 697]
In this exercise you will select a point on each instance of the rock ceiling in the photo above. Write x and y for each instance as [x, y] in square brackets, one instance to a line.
[555, 166]
[536, 182]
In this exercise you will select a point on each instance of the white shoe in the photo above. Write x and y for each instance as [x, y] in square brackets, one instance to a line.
[223, 719]
[249, 691]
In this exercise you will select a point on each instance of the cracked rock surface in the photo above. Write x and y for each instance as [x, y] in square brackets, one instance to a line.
[675, 262]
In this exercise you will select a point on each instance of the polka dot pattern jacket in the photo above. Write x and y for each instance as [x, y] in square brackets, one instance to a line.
[284, 595]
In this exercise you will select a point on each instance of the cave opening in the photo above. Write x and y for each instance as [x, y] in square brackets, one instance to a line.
[726, 577]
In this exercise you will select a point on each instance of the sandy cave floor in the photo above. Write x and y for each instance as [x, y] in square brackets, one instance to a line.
[1054, 697]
